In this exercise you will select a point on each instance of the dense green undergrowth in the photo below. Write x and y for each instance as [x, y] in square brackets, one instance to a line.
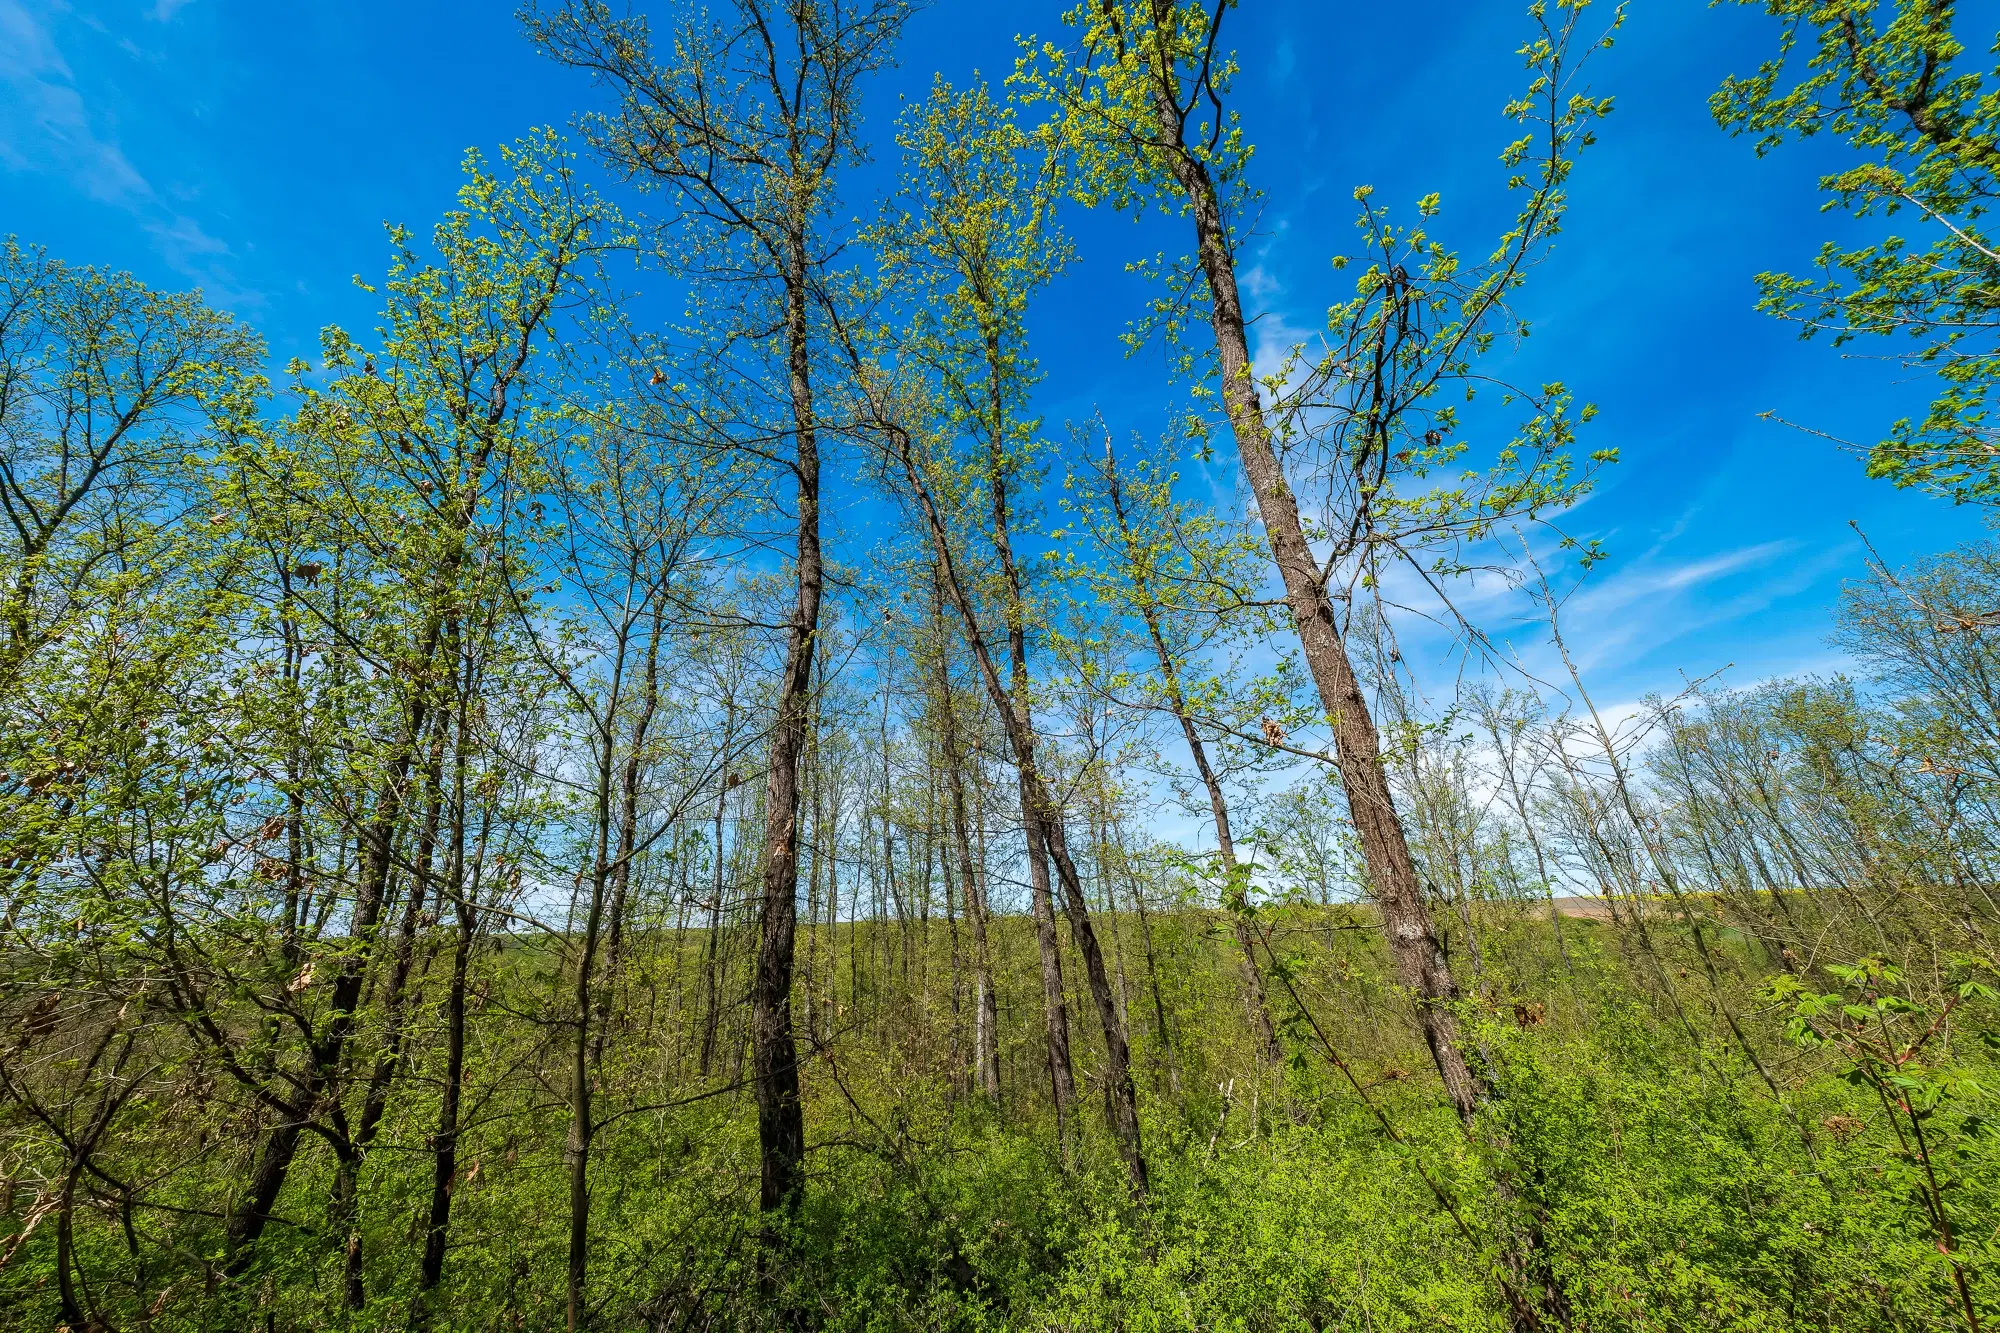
[1672, 1186]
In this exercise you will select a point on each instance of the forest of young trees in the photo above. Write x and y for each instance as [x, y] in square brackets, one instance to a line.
[477, 853]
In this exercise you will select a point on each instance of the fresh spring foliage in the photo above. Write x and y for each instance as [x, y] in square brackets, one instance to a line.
[1891, 81]
[476, 854]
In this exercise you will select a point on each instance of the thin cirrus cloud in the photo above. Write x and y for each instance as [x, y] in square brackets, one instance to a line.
[1619, 622]
[1645, 581]
[45, 125]
[48, 128]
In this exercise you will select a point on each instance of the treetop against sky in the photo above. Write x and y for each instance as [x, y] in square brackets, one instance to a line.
[256, 151]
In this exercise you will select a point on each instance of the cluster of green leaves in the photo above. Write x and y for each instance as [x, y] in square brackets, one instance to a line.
[1371, 421]
[1111, 128]
[1889, 80]
[1377, 416]
[1885, 1037]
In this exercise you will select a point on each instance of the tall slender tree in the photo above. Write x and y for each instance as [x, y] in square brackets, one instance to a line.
[1141, 103]
[972, 238]
[1150, 553]
[411, 454]
[747, 124]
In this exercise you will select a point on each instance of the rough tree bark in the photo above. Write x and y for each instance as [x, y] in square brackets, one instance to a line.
[1414, 945]
[749, 122]
[774, 1055]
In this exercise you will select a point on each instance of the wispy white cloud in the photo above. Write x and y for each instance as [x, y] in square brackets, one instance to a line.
[190, 250]
[1274, 339]
[48, 128]
[1649, 580]
[163, 11]
[1618, 625]
[1284, 59]
[1280, 349]
[1260, 285]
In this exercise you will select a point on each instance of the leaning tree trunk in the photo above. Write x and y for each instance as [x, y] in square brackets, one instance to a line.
[1235, 879]
[1414, 945]
[1041, 905]
[1120, 1094]
[985, 1002]
[1534, 1295]
[1121, 1098]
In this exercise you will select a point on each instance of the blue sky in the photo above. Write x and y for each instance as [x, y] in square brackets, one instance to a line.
[254, 149]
